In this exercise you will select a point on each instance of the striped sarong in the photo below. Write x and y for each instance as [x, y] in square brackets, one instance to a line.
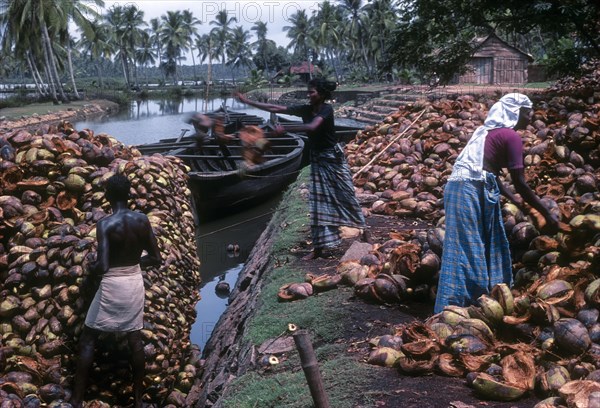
[333, 201]
[118, 305]
[476, 254]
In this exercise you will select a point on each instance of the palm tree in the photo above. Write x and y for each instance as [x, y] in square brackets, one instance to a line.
[190, 25]
[98, 46]
[381, 15]
[329, 23]
[155, 39]
[26, 18]
[205, 44]
[174, 38]
[18, 44]
[261, 43]
[356, 29]
[126, 24]
[298, 33]
[302, 35]
[80, 14]
[222, 33]
[145, 54]
[240, 53]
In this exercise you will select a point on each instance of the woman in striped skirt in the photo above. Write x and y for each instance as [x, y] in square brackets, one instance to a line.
[333, 201]
[476, 253]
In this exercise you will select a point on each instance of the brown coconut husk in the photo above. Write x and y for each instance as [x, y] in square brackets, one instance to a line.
[416, 367]
[447, 365]
[577, 393]
[421, 349]
[416, 331]
[519, 369]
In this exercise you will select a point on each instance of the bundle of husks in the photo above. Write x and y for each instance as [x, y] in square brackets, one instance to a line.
[554, 303]
[51, 196]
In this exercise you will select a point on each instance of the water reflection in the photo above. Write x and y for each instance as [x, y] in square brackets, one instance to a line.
[148, 121]
[218, 264]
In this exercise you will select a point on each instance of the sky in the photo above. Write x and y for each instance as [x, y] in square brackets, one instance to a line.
[274, 12]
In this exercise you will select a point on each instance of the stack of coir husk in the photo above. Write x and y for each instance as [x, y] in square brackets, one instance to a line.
[51, 196]
[543, 334]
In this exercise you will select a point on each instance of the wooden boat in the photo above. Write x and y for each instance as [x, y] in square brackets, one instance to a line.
[220, 178]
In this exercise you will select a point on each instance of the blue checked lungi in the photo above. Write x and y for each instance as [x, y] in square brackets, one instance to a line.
[476, 254]
[333, 201]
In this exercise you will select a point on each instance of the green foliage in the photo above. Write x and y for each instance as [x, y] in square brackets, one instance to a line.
[564, 57]
[256, 79]
[435, 36]
[343, 379]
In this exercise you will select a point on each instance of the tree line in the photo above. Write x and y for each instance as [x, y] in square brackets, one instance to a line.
[361, 40]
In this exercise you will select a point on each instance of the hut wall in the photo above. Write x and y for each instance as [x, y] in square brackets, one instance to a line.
[494, 62]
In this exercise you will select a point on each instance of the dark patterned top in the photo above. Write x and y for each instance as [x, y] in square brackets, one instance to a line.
[324, 136]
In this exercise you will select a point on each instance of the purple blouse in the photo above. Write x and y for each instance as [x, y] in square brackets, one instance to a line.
[503, 149]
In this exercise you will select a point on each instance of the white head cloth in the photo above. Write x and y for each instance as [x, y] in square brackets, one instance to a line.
[503, 114]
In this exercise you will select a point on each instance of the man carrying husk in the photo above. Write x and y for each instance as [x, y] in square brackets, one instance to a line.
[118, 304]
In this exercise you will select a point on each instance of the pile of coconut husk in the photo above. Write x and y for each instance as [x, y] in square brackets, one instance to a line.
[585, 85]
[552, 310]
[51, 197]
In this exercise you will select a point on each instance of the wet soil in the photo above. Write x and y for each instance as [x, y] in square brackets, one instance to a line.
[365, 320]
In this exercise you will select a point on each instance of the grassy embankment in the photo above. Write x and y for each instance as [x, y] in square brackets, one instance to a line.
[322, 315]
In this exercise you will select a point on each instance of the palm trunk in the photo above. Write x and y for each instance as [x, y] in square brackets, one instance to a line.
[48, 76]
[52, 63]
[37, 83]
[333, 64]
[125, 66]
[51, 85]
[194, 65]
[71, 73]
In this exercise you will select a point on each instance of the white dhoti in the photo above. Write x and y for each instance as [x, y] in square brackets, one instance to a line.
[118, 305]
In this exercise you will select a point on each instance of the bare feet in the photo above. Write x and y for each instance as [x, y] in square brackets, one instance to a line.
[315, 253]
[366, 236]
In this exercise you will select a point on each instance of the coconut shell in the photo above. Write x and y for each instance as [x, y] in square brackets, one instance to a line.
[571, 336]
[490, 388]
[552, 379]
[384, 356]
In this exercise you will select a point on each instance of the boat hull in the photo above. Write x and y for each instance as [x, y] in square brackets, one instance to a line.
[219, 194]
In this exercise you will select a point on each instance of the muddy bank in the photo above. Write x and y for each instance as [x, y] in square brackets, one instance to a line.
[29, 118]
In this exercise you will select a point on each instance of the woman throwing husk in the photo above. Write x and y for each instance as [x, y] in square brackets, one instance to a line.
[333, 201]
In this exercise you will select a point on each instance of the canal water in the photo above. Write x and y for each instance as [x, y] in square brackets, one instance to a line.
[151, 120]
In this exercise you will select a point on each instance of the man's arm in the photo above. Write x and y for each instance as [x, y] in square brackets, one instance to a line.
[152, 257]
[100, 267]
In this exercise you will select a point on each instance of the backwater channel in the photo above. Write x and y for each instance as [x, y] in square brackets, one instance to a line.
[149, 121]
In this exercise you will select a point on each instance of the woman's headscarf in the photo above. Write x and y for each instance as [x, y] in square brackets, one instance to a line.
[503, 114]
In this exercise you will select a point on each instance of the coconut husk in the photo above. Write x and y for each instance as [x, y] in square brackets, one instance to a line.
[519, 369]
[416, 331]
[416, 367]
[577, 393]
[447, 365]
[405, 259]
[421, 349]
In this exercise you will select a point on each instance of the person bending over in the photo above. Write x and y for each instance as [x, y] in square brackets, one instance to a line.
[476, 253]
